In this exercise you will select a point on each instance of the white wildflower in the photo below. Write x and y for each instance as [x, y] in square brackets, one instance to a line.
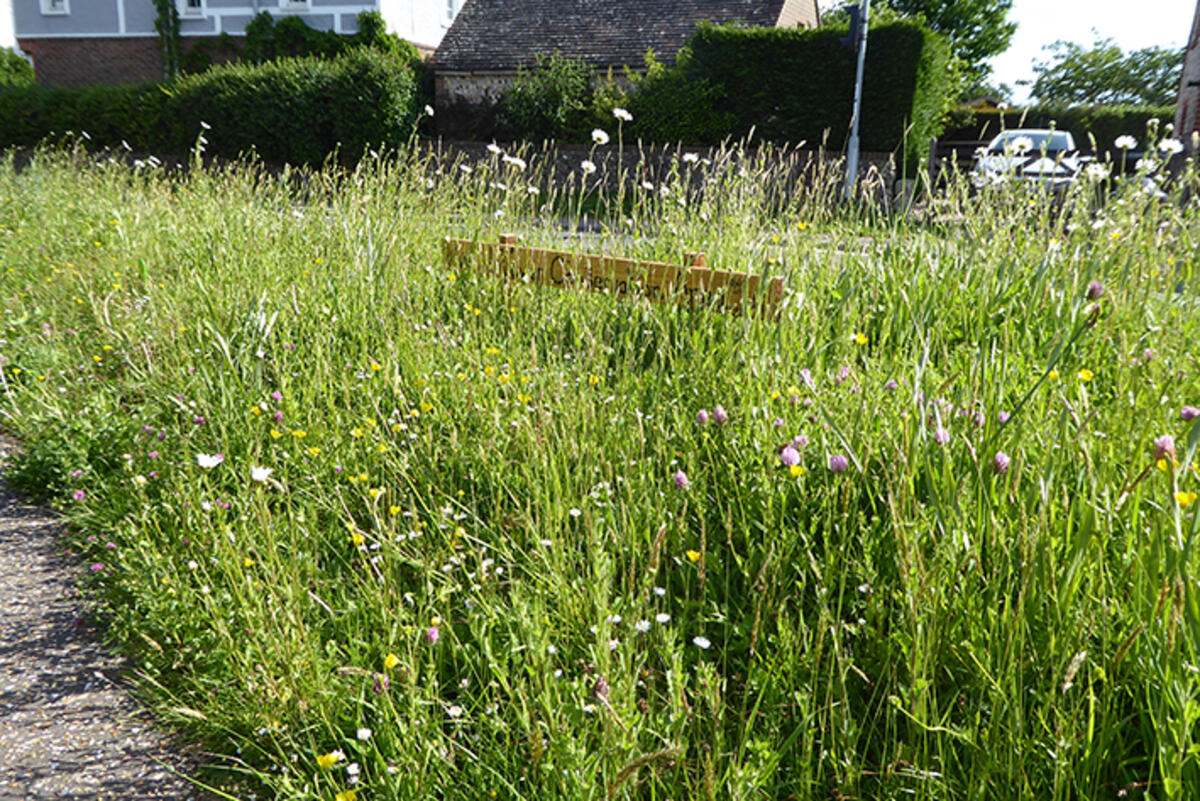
[209, 461]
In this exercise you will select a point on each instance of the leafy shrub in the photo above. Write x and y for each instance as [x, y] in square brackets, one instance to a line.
[294, 110]
[205, 52]
[793, 85]
[299, 110]
[14, 70]
[549, 101]
[788, 85]
[671, 105]
[107, 114]
[290, 37]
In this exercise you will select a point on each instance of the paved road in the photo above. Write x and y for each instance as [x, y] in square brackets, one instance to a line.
[68, 729]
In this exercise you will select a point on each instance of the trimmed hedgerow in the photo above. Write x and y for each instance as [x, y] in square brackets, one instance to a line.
[299, 110]
[295, 111]
[792, 85]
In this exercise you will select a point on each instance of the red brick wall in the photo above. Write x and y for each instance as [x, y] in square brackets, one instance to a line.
[90, 61]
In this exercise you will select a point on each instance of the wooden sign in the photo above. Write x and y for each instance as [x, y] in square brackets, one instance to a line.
[693, 285]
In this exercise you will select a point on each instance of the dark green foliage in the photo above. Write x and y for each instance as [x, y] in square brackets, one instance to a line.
[297, 111]
[1103, 123]
[108, 114]
[166, 25]
[977, 29]
[670, 105]
[205, 52]
[290, 37]
[14, 70]
[550, 101]
[792, 85]
[1104, 74]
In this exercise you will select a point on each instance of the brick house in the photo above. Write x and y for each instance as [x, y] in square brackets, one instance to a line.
[1187, 109]
[491, 40]
[83, 42]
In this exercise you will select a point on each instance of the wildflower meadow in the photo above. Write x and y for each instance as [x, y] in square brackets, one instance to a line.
[370, 526]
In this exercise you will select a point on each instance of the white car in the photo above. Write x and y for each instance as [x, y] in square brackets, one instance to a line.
[1039, 155]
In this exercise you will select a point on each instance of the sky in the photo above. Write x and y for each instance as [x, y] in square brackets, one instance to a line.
[1134, 25]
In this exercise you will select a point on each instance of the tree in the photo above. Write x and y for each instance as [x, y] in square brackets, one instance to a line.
[977, 29]
[1105, 75]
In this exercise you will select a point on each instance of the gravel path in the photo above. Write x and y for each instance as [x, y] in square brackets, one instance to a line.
[67, 727]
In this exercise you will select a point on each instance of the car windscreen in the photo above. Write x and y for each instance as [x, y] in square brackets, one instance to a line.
[1049, 141]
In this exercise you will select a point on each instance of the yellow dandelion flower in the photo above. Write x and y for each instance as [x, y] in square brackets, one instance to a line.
[523, 398]
[394, 510]
[861, 338]
[435, 621]
[298, 434]
[97, 360]
[362, 476]
[414, 412]
[276, 434]
[801, 225]
[693, 556]
[381, 448]
[504, 378]
[313, 451]
[460, 532]
[426, 407]
[248, 562]
[1185, 499]
[330, 759]
[1086, 375]
[489, 370]
[375, 492]
[1053, 375]
[492, 351]
[108, 347]
[593, 379]
[255, 410]
[796, 470]
[776, 395]
[390, 661]
[357, 538]
[356, 432]
[346, 795]
[376, 367]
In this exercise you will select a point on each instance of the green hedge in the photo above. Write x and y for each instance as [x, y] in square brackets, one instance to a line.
[793, 84]
[14, 70]
[1104, 123]
[296, 111]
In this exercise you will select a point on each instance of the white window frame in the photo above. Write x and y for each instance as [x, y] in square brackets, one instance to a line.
[451, 10]
[187, 10]
[49, 9]
[295, 5]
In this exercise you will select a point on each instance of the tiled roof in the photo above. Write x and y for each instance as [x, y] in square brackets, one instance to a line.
[505, 34]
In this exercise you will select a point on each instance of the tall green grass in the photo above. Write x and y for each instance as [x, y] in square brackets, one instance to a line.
[499, 555]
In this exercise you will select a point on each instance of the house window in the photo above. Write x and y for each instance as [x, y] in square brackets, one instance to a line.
[450, 9]
[191, 8]
[55, 7]
[295, 5]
